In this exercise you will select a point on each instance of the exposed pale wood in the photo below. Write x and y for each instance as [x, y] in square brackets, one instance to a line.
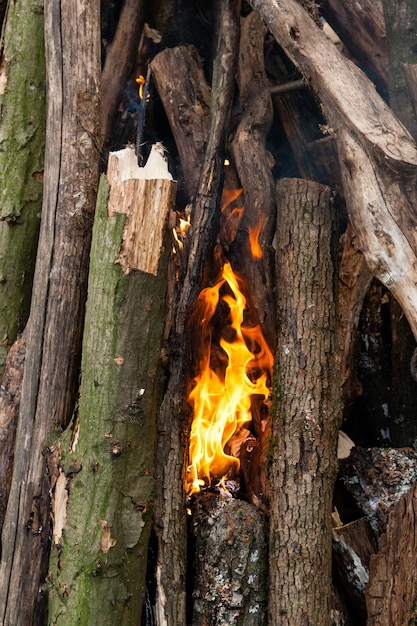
[55, 326]
[119, 61]
[230, 561]
[170, 512]
[361, 27]
[377, 155]
[10, 391]
[150, 186]
[306, 413]
[185, 94]
[108, 454]
[392, 589]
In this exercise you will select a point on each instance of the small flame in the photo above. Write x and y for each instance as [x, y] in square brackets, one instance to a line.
[141, 80]
[229, 196]
[221, 400]
[254, 233]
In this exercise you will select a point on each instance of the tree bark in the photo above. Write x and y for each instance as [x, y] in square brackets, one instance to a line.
[22, 143]
[172, 423]
[99, 556]
[53, 350]
[306, 414]
[377, 155]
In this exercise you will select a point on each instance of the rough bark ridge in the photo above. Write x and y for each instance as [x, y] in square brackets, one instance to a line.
[171, 528]
[22, 143]
[306, 415]
[72, 30]
[377, 155]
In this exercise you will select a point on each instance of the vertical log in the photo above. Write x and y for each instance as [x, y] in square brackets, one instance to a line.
[306, 415]
[99, 555]
[22, 144]
[170, 510]
[50, 380]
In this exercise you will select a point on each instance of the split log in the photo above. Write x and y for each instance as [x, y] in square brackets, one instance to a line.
[391, 593]
[22, 145]
[10, 391]
[230, 559]
[306, 417]
[173, 420]
[361, 27]
[98, 564]
[185, 94]
[59, 291]
[377, 155]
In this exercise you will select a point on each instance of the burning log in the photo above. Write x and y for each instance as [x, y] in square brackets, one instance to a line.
[230, 562]
[103, 480]
[307, 408]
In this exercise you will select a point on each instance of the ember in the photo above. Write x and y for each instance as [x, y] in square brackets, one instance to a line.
[221, 395]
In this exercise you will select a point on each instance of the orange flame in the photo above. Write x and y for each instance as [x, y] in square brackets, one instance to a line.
[254, 233]
[221, 401]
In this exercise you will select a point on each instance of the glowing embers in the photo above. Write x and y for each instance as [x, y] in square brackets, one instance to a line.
[225, 383]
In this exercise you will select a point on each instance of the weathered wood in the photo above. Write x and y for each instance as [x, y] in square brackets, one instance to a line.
[361, 27]
[55, 327]
[22, 143]
[306, 413]
[185, 94]
[10, 390]
[230, 562]
[120, 58]
[391, 593]
[377, 155]
[353, 547]
[99, 556]
[172, 445]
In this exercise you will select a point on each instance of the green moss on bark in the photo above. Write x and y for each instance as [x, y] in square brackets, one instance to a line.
[22, 143]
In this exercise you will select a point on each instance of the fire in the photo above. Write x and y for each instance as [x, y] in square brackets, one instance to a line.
[254, 233]
[221, 396]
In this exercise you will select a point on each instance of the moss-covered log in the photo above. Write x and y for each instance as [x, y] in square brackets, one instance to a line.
[22, 144]
[104, 489]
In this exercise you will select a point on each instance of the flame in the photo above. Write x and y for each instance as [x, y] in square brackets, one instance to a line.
[254, 233]
[141, 80]
[221, 400]
[229, 196]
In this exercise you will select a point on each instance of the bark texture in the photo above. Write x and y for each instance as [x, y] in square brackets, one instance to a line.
[22, 143]
[306, 413]
[230, 557]
[104, 490]
[55, 327]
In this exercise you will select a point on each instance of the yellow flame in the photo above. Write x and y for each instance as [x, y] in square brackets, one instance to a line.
[141, 80]
[221, 401]
[254, 233]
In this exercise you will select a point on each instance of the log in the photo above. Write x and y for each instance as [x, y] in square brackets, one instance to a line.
[22, 145]
[306, 415]
[99, 556]
[230, 558]
[377, 154]
[10, 391]
[185, 94]
[173, 420]
[361, 27]
[52, 364]
[391, 593]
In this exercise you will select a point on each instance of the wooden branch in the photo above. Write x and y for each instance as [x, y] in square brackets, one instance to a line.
[55, 327]
[377, 155]
[170, 513]
[361, 27]
[119, 61]
[307, 410]
[410, 72]
[108, 455]
[185, 94]
[230, 582]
